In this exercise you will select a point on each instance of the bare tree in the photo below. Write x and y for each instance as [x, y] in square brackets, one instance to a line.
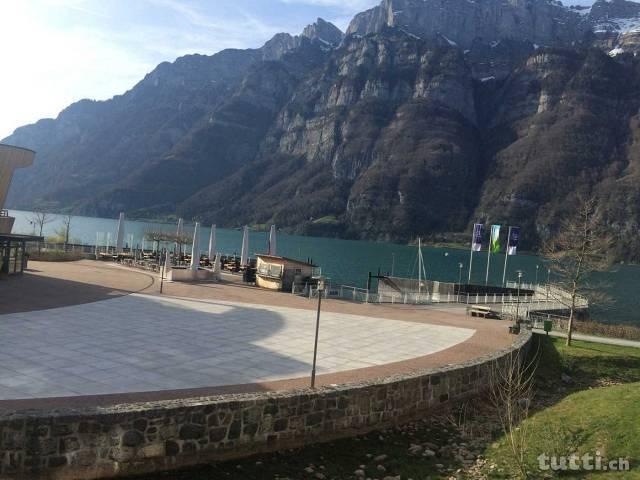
[157, 236]
[65, 230]
[580, 248]
[39, 220]
[511, 382]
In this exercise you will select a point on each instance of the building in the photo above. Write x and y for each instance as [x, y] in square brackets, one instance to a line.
[12, 247]
[281, 273]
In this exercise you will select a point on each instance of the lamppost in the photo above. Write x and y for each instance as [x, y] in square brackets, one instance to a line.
[315, 346]
[163, 259]
[520, 273]
[459, 280]
[537, 267]
[548, 282]
[393, 263]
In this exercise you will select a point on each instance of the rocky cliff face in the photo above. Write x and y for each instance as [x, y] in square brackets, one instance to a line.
[425, 118]
[464, 22]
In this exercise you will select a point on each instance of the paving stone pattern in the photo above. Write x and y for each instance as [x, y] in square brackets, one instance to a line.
[142, 343]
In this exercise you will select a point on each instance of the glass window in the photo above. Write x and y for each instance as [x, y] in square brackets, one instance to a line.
[19, 259]
[270, 270]
[12, 259]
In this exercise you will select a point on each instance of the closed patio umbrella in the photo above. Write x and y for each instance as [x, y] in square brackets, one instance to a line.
[120, 234]
[178, 245]
[195, 251]
[272, 240]
[212, 243]
[167, 263]
[244, 256]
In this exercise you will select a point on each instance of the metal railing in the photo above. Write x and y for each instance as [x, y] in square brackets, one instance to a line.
[361, 295]
[542, 304]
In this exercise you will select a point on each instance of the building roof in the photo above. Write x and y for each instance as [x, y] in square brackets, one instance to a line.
[285, 259]
[19, 148]
[16, 237]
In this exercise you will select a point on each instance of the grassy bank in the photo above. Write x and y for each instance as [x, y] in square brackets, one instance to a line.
[601, 420]
[627, 332]
[588, 401]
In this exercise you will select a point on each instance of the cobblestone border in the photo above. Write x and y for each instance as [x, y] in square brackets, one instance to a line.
[106, 442]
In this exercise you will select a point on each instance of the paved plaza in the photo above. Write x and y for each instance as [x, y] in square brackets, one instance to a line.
[140, 342]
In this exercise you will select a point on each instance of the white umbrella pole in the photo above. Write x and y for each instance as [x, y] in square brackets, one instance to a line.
[120, 233]
[195, 251]
[244, 256]
[272, 241]
[212, 243]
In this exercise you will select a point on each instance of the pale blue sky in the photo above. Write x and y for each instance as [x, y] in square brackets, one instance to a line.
[60, 51]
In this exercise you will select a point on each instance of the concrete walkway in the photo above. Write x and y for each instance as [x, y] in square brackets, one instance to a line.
[161, 347]
[141, 343]
[591, 338]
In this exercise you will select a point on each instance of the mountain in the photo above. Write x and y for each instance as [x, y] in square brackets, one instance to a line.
[425, 117]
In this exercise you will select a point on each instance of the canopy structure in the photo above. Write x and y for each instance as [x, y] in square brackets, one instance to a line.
[212, 243]
[272, 241]
[13, 252]
[120, 234]
[195, 251]
[244, 255]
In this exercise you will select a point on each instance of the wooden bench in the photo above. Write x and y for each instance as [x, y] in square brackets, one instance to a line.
[482, 311]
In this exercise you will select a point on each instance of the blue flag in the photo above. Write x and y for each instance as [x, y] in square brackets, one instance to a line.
[478, 232]
[514, 238]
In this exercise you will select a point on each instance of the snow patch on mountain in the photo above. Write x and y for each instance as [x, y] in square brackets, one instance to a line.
[618, 25]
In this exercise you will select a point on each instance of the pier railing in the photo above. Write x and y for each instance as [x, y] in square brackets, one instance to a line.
[361, 295]
[545, 302]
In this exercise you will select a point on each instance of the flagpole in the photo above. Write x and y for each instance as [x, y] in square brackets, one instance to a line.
[506, 257]
[486, 280]
[470, 263]
[419, 265]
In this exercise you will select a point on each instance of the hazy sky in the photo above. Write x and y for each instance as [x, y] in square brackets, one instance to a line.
[55, 52]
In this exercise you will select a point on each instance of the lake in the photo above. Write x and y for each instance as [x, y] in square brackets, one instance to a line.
[349, 261]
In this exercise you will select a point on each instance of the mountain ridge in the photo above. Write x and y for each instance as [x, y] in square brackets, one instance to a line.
[386, 132]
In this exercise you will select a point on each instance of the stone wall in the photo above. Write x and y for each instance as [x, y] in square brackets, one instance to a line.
[141, 438]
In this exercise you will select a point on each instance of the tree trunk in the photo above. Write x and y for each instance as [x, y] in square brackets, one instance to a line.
[40, 242]
[571, 315]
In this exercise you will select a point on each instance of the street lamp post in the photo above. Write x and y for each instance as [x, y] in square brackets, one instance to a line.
[520, 273]
[393, 263]
[315, 346]
[537, 268]
[548, 282]
[164, 262]
[459, 280]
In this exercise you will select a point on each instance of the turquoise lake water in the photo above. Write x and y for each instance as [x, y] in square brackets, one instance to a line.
[349, 261]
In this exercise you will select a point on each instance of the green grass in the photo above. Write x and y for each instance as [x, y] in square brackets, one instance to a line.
[260, 227]
[587, 419]
[327, 220]
[604, 419]
[587, 363]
